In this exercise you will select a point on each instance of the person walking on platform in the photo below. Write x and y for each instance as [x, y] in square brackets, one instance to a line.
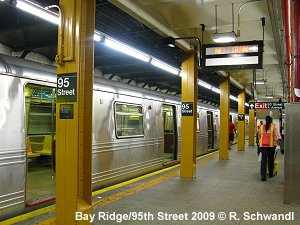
[232, 131]
[269, 136]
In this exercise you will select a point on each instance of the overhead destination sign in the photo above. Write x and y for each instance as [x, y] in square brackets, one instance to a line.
[267, 105]
[234, 55]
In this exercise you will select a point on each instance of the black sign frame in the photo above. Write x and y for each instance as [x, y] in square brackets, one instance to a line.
[66, 111]
[270, 105]
[259, 54]
[187, 109]
[66, 87]
[241, 117]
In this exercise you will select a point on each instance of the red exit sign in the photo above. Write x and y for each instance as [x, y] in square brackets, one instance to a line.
[268, 105]
[261, 105]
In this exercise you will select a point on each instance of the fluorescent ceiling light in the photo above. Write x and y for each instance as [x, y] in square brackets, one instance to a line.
[224, 37]
[269, 96]
[164, 66]
[259, 82]
[97, 37]
[204, 84]
[217, 90]
[233, 98]
[126, 49]
[247, 104]
[37, 10]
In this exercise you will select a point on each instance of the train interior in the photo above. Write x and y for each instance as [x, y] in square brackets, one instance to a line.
[40, 139]
[170, 133]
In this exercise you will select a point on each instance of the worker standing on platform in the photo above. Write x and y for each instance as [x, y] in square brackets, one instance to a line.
[232, 131]
[257, 136]
[269, 136]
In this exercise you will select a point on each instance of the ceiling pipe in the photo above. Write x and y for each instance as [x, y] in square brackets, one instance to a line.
[275, 16]
[297, 50]
[140, 14]
[286, 15]
[239, 13]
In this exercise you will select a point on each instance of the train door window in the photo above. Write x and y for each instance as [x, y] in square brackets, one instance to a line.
[40, 135]
[170, 133]
[198, 122]
[129, 120]
[210, 129]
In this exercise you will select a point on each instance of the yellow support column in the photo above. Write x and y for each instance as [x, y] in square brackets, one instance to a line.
[189, 98]
[224, 118]
[75, 61]
[241, 121]
[251, 125]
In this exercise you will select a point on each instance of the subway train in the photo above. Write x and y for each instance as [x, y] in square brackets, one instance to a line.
[135, 131]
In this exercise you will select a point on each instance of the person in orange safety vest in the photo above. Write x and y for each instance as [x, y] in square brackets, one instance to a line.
[269, 136]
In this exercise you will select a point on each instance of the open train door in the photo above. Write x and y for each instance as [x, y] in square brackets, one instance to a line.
[170, 133]
[210, 130]
[40, 135]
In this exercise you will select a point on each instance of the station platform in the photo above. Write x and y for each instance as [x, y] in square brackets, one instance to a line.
[224, 192]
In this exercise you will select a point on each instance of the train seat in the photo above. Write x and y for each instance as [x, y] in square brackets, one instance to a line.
[47, 145]
[29, 152]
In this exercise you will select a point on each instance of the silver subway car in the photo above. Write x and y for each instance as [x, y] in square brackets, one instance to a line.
[135, 131]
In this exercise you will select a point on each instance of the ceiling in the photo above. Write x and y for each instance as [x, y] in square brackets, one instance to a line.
[183, 18]
[143, 24]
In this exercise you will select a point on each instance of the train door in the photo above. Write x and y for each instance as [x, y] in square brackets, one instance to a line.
[170, 133]
[210, 130]
[40, 143]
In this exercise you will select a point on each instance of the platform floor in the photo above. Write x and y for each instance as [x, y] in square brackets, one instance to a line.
[221, 188]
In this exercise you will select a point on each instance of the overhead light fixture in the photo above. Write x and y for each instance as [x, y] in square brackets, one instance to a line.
[126, 49]
[269, 96]
[169, 41]
[164, 66]
[259, 82]
[217, 90]
[233, 98]
[204, 84]
[97, 37]
[38, 11]
[224, 37]
[227, 36]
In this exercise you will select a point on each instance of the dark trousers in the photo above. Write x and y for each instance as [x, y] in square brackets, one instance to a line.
[267, 155]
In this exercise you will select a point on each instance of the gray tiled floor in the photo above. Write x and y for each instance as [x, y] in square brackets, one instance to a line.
[231, 186]
[221, 186]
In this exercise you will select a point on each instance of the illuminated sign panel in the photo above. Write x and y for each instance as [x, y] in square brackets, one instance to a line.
[268, 105]
[236, 55]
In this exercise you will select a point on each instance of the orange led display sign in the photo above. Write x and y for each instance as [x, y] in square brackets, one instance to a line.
[235, 49]
[234, 55]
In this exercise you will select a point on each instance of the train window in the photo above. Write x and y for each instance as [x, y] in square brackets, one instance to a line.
[39, 109]
[168, 119]
[129, 120]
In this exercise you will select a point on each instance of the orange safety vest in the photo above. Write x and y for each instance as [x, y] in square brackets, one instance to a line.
[266, 137]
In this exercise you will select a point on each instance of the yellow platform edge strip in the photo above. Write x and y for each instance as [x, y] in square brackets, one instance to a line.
[38, 212]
